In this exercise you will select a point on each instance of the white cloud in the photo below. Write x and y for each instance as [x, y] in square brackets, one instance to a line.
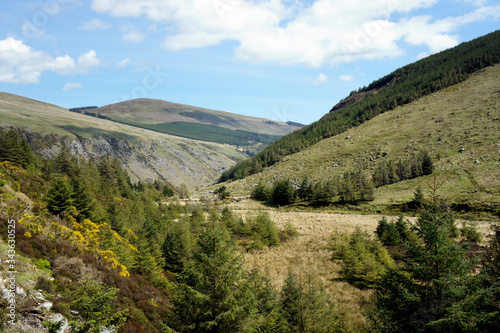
[422, 55]
[19, 63]
[322, 78]
[72, 85]
[476, 2]
[346, 77]
[123, 63]
[290, 32]
[134, 36]
[94, 24]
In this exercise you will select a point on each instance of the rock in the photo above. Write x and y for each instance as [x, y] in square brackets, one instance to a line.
[21, 292]
[47, 305]
[57, 317]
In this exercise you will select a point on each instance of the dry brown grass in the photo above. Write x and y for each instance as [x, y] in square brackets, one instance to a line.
[308, 255]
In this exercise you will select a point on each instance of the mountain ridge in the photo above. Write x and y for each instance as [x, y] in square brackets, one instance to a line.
[457, 126]
[147, 155]
[197, 123]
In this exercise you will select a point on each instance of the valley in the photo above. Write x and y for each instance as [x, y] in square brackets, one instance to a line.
[151, 216]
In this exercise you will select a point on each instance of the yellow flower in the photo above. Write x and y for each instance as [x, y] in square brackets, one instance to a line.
[27, 234]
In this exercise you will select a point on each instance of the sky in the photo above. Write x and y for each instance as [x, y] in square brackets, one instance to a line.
[286, 60]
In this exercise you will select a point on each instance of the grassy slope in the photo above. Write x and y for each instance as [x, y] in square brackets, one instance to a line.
[145, 111]
[403, 86]
[179, 160]
[465, 115]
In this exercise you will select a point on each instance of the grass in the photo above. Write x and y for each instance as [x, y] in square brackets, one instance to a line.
[308, 254]
[146, 154]
[462, 116]
[145, 111]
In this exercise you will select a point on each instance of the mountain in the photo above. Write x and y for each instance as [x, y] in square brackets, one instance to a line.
[401, 87]
[145, 154]
[457, 126]
[196, 123]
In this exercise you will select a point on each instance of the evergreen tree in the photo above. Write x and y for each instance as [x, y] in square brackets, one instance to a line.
[435, 276]
[268, 316]
[265, 230]
[222, 192]
[262, 192]
[307, 309]
[81, 198]
[382, 226]
[426, 160]
[150, 231]
[283, 193]
[116, 216]
[64, 162]
[94, 308]
[216, 295]
[177, 247]
[418, 196]
[305, 191]
[59, 197]
[15, 149]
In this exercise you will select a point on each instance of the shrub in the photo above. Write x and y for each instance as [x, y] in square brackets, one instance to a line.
[470, 233]
[264, 229]
[262, 192]
[364, 259]
[44, 284]
[75, 269]
[42, 264]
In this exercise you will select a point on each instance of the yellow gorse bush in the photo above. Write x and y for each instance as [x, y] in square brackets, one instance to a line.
[87, 236]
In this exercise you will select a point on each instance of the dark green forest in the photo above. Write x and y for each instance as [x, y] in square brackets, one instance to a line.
[211, 133]
[401, 87]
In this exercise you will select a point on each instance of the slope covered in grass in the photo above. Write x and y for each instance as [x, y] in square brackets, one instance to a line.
[401, 87]
[146, 154]
[458, 126]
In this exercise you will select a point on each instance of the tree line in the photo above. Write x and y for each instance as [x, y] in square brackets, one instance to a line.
[352, 187]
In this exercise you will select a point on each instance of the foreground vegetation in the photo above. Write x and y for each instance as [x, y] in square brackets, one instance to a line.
[107, 253]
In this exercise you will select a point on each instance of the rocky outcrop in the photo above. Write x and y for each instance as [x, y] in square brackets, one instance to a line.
[193, 163]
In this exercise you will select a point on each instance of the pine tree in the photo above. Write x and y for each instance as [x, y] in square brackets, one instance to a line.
[283, 193]
[307, 309]
[59, 197]
[81, 198]
[177, 247]
[262, 192]
[426, 160]
[64, 162]
[15, 149]
[435, 276]
[216, 295]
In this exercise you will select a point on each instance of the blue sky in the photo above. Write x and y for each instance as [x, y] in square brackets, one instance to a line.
[277, 59]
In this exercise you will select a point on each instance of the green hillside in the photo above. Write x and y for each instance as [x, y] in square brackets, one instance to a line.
[401, 87]
[196, 123]
[147, 155]
[458, 126]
